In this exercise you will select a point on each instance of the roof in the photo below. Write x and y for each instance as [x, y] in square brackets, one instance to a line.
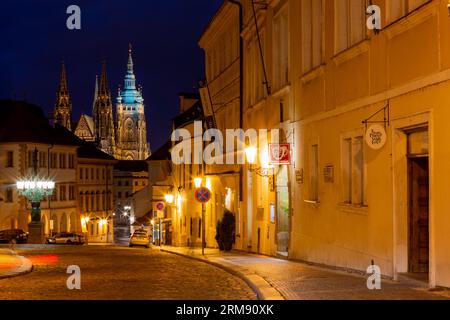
[24, 122]
[88, 150]
[190, 115]
[88, 121]
[131, 166]
[162, 153]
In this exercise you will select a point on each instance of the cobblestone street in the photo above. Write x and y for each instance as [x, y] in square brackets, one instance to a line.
[112, 272]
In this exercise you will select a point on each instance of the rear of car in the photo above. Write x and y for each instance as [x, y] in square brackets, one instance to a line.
[140, 238]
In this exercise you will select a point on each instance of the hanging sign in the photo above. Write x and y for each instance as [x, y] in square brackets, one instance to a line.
[279, 153]
[376, 136]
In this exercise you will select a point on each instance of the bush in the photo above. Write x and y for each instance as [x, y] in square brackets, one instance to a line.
[225, 231]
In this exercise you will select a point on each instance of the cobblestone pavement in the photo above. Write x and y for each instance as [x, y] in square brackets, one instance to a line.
[299, 281]
[113, 273]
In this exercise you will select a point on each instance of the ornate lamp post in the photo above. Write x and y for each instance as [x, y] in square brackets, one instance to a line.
[35, 190]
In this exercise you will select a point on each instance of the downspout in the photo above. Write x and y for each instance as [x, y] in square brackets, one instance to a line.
[241, 84]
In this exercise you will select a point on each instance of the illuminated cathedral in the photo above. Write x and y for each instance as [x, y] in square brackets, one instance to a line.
[124, 137]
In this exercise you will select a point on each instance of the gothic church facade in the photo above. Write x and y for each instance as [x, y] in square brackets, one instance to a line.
[124, 138]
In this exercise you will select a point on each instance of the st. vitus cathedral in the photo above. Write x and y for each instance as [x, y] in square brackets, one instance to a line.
[125, 138]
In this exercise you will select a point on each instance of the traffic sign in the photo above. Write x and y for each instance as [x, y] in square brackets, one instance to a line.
[160, 206]
[203, 195]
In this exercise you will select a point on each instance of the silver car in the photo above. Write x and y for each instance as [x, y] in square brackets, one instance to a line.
[140, 238]
[66, 238]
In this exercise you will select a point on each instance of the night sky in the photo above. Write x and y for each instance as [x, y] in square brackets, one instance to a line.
[164, 35]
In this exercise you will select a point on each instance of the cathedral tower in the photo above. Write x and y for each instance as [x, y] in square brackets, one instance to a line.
[103, 116]
[63, 108]
[131, 123]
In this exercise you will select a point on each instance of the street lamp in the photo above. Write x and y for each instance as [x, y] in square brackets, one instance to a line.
[250, 153]
[169, 198]
[263, 171]
[198, 182]
[35, 190]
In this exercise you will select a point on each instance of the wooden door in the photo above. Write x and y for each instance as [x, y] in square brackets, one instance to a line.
[419, 215]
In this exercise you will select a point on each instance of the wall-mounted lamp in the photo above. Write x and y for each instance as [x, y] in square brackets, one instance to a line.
[251, 153]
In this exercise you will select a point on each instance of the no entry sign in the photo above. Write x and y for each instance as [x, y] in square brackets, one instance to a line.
[203, 195]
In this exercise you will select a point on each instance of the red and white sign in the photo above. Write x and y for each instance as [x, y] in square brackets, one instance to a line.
[160, 206]
[280, 153]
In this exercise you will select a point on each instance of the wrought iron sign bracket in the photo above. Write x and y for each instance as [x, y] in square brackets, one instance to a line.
[386, 117]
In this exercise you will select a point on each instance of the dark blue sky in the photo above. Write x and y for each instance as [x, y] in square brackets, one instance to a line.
[164, 35]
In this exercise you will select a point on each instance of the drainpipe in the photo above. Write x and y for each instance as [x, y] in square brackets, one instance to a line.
[241, 84]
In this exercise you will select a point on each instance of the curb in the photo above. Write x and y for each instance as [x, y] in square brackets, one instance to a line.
[263, 289]
[26, 267]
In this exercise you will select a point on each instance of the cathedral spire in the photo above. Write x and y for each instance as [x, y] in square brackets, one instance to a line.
[104, 130]
[63, 88]
[63, 106]
[95, 92]
[130, 60]
[103, 88]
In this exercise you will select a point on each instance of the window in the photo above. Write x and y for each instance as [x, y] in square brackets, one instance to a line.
[353, 171]
[119, 183]
[42, 159]
[9, 195]
[314, 183]
[81, 202]
[54, 196]
[281, 48]
[30, 159]
[255, 86]
[136, 183]
[53, 159]
[119, 195]
[86, 171]
[400, 8]
[350, 23]
[62, 161]
[71, 193]
[311, 34]
[92, 174]
[81, 173]
[62, 193]
[71, 161]
[9, 159]
[98, 174]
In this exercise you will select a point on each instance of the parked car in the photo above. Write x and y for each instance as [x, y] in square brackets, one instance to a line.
[140, 238]
[66, 238]
[14, 235]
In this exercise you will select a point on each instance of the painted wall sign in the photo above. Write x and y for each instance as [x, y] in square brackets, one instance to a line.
[280, 153]
[376, 136]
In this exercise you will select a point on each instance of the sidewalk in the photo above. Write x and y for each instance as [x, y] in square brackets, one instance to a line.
[12, 265]
[273, 279]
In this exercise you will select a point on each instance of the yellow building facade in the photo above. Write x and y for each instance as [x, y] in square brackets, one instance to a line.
[315, 71]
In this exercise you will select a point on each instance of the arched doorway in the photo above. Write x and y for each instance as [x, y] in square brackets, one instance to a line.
[64, 225]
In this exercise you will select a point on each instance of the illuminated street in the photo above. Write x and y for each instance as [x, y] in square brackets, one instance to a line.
[114, 273]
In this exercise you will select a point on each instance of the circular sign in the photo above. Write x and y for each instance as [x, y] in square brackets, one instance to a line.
[160, 206]
[203, 195]
[376, 136]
